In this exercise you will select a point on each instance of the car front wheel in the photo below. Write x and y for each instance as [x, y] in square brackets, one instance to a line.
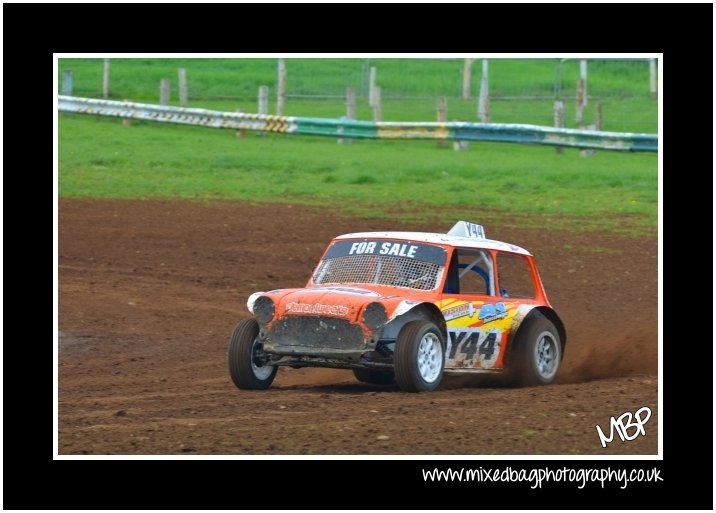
[538, 352]
[248, 371]
[419, 357]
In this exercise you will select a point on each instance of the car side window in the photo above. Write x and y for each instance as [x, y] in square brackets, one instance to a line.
[470, 272]
[515, 276]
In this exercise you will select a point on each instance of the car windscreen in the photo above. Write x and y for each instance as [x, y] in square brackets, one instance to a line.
[382, 262]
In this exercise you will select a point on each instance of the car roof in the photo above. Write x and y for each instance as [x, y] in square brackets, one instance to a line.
[439, 238]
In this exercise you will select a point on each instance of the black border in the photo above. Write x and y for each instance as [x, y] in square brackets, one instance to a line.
[32, 480]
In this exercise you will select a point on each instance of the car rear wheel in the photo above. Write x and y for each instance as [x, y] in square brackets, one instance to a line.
[247, 370]
[419, 357]
[374, 377]
[538, 352]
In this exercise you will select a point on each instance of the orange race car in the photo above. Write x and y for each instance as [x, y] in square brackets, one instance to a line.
[406, 307]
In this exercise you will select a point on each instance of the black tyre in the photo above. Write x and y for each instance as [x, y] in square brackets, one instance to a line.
[246, 371]
[537, 352]
[374, 377]
[419, 357]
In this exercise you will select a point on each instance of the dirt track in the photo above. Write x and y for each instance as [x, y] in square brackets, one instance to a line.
[150, 290]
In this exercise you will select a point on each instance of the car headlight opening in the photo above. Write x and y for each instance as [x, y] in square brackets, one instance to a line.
[264, 309]
[374, 315]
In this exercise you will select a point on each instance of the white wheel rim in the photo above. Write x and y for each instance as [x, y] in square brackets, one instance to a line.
[430, 357]
[546, 355]
[262, 372]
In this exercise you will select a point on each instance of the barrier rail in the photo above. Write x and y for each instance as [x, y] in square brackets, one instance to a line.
[345, 128]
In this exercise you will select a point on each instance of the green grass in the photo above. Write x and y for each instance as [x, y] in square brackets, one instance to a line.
[620, 85]
[637, 115]
[408, 77]
[415, 180]
[412, 180]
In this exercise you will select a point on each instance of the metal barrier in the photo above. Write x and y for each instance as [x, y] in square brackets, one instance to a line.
[345, 128]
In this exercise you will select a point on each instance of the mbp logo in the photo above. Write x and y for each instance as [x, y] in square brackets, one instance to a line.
[624, 423]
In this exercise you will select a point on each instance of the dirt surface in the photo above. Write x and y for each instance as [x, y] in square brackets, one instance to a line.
[149, 292]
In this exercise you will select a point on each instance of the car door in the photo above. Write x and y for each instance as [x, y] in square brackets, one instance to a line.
[477, 319]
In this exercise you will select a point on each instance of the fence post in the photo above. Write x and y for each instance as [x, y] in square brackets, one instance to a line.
[583, 76]
[559, 121]
[263, 99]
[105, 79]
[377, 111]
[442, 117]
[67, 82]
[581, 92]
[183, 91]
[164, 90]
[466, 78]
[596, 126]
[483, 107]
[263, 103]
[350, 111]
[652, 77]
[240, 132]
[281, 89]
[372, 86]
[127, 121]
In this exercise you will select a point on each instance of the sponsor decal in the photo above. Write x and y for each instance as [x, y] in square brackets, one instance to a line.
[317, 309]
[459, 311]
[490, 312]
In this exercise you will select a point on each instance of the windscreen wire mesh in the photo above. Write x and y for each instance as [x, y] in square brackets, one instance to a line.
[380, 270]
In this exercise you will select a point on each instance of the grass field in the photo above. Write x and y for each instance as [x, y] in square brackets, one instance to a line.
[531, 185]
[215, 77]
[100, 157]
[409, 87]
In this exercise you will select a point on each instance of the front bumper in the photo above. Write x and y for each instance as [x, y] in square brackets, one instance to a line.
[327, 337]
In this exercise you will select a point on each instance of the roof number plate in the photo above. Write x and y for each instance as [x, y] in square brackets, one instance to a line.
[467, 229]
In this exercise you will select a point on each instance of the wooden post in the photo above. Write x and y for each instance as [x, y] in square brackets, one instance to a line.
[263, 99]
[105, 79]
[127, 121]
[461, 145]
[583, 76]
[372, 86]
[240, 132]
[588, 152]
[466, 78]
[377, 110]
[281, 89]
[350, 103]
[559, 121]
[67, 82]
[652, 78]
[596, 126]
[581, 93]
[350, 111]
[183, 91]
[483, 106]
[442, 117]
[164, 89]
[263, 103]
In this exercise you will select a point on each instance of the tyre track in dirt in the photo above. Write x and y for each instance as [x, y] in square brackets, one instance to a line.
[150, 290]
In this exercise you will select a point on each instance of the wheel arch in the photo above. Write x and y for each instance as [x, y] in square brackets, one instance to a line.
[426, 311]
[521, 321]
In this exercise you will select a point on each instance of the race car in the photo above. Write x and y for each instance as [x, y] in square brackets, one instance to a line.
[406, 308]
